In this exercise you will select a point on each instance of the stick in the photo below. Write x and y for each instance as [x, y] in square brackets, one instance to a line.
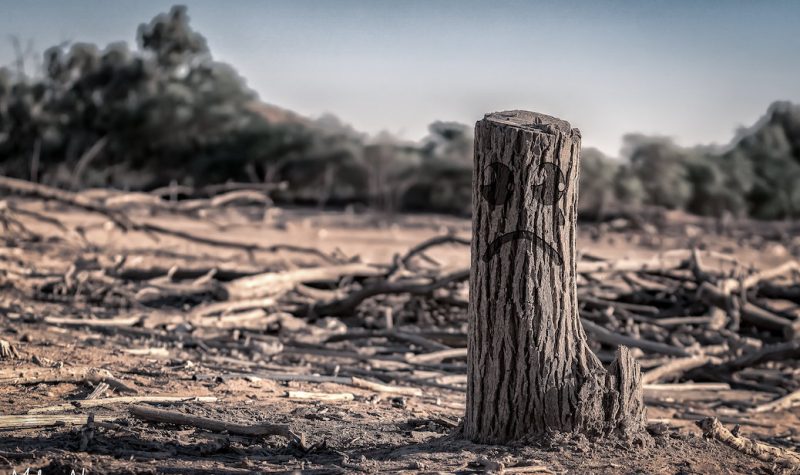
[437, 356]
[385, 388]
[24, 188]
[63, 375]
[678, 321]
[688, 387]
[636, 265]
[214, 425]
[110, 401]
[320, 396]
[229, 307]
[7, 350]
[271, 283]
[674, 367]
[98, 391]
[223, 272]
[603, 335]
[785, 402]
[348, 304]
[777, 352]
[768, 274]
[36, 190]
[250, 248]
[25, 421]
[95, 322]
[775, 455]
[750, 313]
[421, 247]
[394, 334]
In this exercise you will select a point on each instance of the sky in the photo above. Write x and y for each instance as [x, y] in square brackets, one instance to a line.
[692, 70]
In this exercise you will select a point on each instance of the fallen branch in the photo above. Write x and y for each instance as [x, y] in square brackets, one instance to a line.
[779, 351]
[111, 401]
[437, 356]
[320, 396]
[684, 387]
[95, 322]
[674, 368]
[25, 188]
[785, 458]
[785, 402]
[271, 283]
[233, 306]
[348, 304]
[7, 350]
[421, 247]
[214, 425]
[36, 190]
[385, 388]
[750, 313]
[656, 263]
[63, 375]
[603, 335]
[34, 421]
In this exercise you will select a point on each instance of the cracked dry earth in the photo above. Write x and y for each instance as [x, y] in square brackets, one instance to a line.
[372, 433]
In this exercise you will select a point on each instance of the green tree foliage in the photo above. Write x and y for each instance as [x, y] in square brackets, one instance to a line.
[139, 118]
[166, 110]
[597, 183]
[772, 147]
[659, 165]
[444, 179]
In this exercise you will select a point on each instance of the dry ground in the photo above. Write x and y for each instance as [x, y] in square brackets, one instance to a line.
[374, 432]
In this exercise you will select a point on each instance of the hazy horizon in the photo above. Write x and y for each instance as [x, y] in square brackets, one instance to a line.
[688, 70]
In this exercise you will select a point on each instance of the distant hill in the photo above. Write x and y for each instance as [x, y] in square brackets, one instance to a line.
[277, 115]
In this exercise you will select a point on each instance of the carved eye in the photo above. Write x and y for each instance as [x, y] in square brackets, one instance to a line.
[499, 183]
[550, 184]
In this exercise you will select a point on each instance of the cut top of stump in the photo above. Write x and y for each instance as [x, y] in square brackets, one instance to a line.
[532, 121]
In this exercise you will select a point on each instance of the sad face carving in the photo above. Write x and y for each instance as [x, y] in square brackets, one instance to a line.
[549, 186]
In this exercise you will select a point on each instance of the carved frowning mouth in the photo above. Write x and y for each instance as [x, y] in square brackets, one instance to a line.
[497, 243]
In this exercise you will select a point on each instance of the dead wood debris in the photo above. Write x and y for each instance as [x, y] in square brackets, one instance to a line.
[215, 425]
[7, 350]
[63, 375]
[786, 459]
[113, 401]
[695, 320]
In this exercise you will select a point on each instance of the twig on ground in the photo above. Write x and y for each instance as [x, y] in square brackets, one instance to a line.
[63, 375]
[786, 402]
[215, 425]
[348, 304]
[674, 368]
[33, 421]
[788, 459]
[320, 396]
[602, 334]
[112, 401]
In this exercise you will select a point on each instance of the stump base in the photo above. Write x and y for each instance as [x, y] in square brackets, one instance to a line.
[612, 402]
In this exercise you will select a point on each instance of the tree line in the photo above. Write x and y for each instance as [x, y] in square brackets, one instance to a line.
[756, 175]
[167, 112]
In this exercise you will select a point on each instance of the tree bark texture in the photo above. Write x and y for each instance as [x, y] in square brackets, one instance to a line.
[530, 370]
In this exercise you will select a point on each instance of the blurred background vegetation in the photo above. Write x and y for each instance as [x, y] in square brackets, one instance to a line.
[166, 112]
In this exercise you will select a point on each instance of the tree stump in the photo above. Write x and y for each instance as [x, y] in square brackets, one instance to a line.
[530, 370]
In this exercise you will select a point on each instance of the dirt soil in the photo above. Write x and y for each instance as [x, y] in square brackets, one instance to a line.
[373, 433]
